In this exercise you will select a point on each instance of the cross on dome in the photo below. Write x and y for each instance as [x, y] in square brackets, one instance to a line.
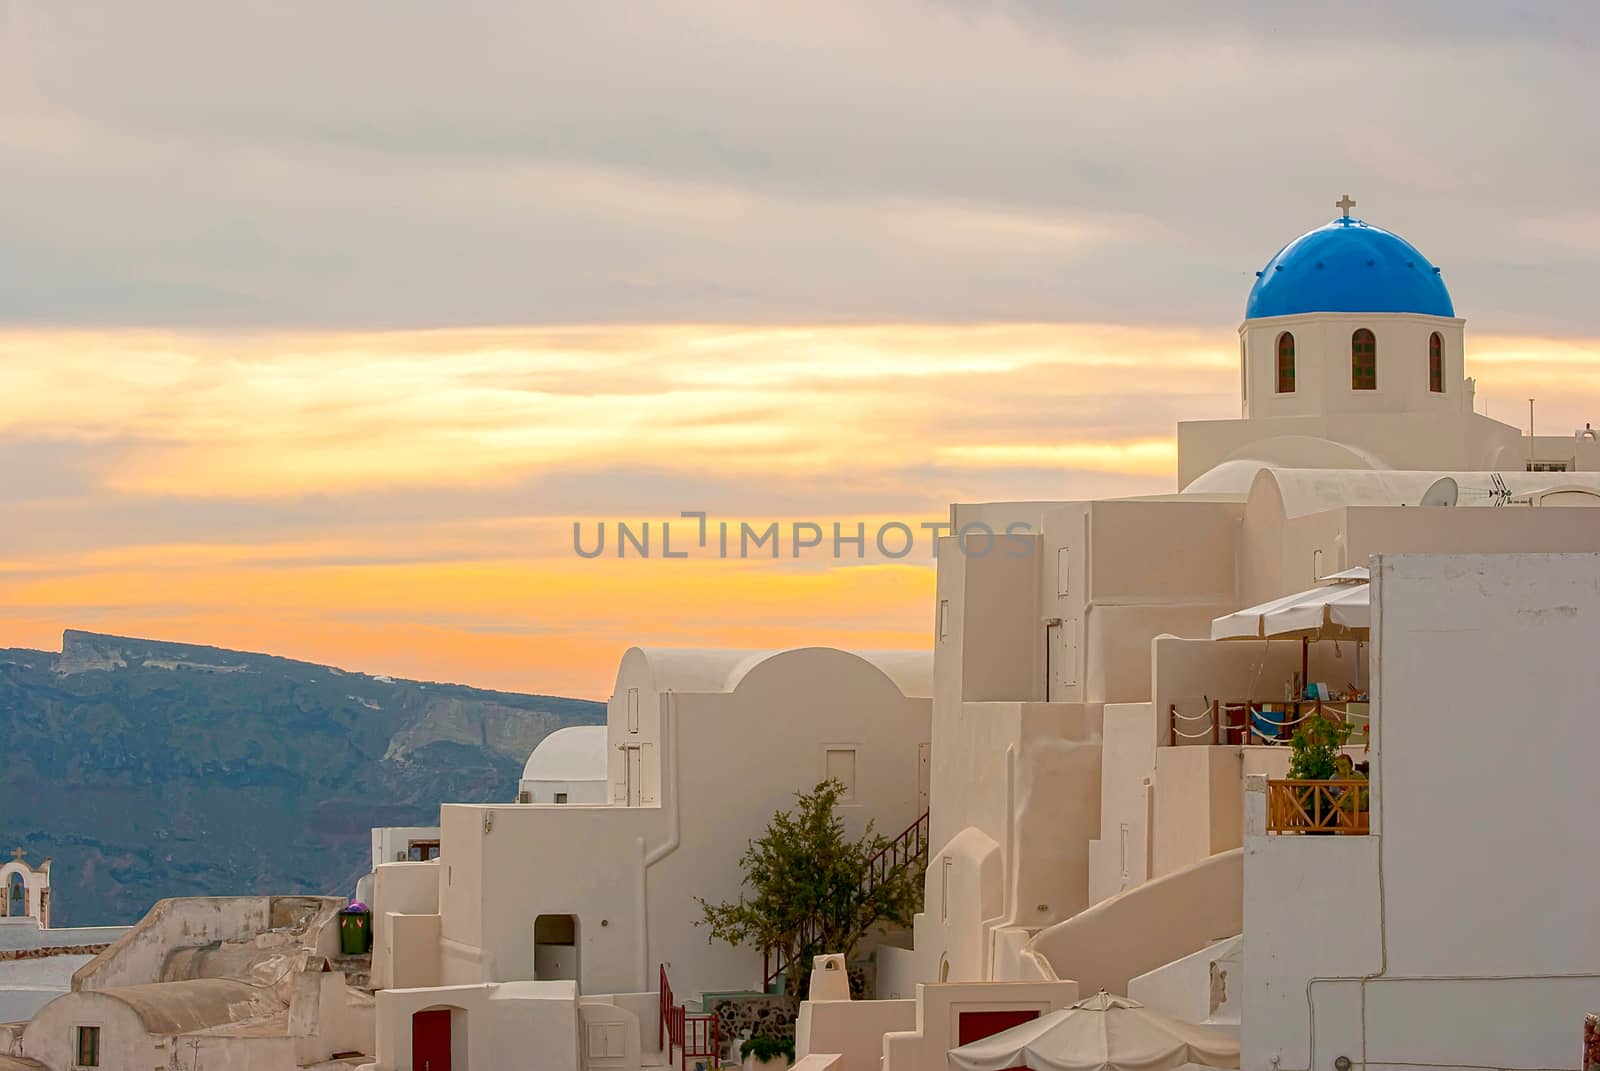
[1344, 204]
[17, 854]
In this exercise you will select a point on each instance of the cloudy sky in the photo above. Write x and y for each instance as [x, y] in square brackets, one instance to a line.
[320, 324]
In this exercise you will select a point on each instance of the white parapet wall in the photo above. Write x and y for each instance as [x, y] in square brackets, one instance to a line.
[1461, 932]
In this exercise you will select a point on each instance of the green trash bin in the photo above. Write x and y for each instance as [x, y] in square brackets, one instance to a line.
[355, 930]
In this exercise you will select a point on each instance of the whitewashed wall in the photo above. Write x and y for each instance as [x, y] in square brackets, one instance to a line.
[1463, 932]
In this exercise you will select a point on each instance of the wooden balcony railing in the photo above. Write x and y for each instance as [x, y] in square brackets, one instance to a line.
[1318, 806]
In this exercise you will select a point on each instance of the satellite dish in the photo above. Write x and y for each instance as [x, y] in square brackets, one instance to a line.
[1444, 492]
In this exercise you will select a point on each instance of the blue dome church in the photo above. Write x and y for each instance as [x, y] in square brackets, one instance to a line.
[1350, 318]
[1351, 357]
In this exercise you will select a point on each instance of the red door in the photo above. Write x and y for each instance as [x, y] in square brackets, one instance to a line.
[430, 1040]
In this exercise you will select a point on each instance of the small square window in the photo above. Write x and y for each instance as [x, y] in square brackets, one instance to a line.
[88, 1046]
[561, 797]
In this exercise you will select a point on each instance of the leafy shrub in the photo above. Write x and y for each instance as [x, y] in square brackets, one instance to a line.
[763, 1047]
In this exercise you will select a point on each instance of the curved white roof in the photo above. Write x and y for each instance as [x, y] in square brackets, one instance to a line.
[576, 753]
[1306, 491]
[682, 669]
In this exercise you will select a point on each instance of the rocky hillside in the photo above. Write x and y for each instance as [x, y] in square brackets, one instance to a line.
[150, 769]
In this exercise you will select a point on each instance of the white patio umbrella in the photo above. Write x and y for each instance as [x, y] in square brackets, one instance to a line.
[1103, 1033]
[1340, 608]
[1336, 611]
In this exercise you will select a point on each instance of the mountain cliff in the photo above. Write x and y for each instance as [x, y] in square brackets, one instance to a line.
[150, 769]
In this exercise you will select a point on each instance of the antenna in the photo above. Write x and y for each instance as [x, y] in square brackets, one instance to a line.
[1443, 492]
[1502, 493]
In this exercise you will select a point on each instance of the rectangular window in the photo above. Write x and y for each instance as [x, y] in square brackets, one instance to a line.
[633, 710]
[561, 797]
[944, 618]
[840, 765]
[88, 1046]
[420, 851]
[1063, 569]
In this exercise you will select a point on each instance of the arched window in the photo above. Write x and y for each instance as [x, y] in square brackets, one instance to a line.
[1363, 360]
[1286, 363]
[1436, 363]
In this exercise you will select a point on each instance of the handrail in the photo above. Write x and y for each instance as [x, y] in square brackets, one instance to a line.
[908, 848]
[1333, 806]
[691, 1035]
[1212, 725]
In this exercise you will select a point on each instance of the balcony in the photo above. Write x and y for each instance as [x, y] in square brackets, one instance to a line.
[1260, 721]
[1339, 806]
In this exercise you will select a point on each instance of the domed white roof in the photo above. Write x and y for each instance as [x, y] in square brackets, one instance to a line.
[576, 753]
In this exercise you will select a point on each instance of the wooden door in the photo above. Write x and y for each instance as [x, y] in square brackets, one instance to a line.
[430, 1040]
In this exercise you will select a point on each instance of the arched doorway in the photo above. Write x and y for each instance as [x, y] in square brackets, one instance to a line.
[16, 895]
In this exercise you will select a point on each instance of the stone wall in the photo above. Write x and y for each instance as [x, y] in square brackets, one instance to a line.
[754, 1015]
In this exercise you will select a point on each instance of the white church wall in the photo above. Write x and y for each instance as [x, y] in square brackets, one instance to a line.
[35, 885]
[1323, 382]
[1464, 643]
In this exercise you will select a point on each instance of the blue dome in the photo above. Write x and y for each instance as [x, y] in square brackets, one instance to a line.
[1348, 266]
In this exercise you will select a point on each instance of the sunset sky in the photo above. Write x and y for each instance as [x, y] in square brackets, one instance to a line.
[321, 325]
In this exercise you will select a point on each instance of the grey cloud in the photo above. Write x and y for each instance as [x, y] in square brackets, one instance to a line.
[414, 164]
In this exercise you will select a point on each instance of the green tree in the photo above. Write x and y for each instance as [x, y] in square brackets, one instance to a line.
[807, 889]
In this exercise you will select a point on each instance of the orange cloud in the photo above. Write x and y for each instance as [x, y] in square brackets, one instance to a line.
[403, 502]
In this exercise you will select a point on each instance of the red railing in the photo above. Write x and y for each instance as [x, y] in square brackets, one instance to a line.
[910, 847]
[693, 1036]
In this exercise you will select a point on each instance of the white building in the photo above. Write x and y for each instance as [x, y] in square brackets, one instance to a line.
[1104, 783]
[566, 914]
[568, 766]
[1089, 791]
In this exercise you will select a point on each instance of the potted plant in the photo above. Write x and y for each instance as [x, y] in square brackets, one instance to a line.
[766, 1052]
[1316, 755]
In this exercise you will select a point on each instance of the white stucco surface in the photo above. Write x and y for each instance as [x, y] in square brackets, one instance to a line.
[1408, 945]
